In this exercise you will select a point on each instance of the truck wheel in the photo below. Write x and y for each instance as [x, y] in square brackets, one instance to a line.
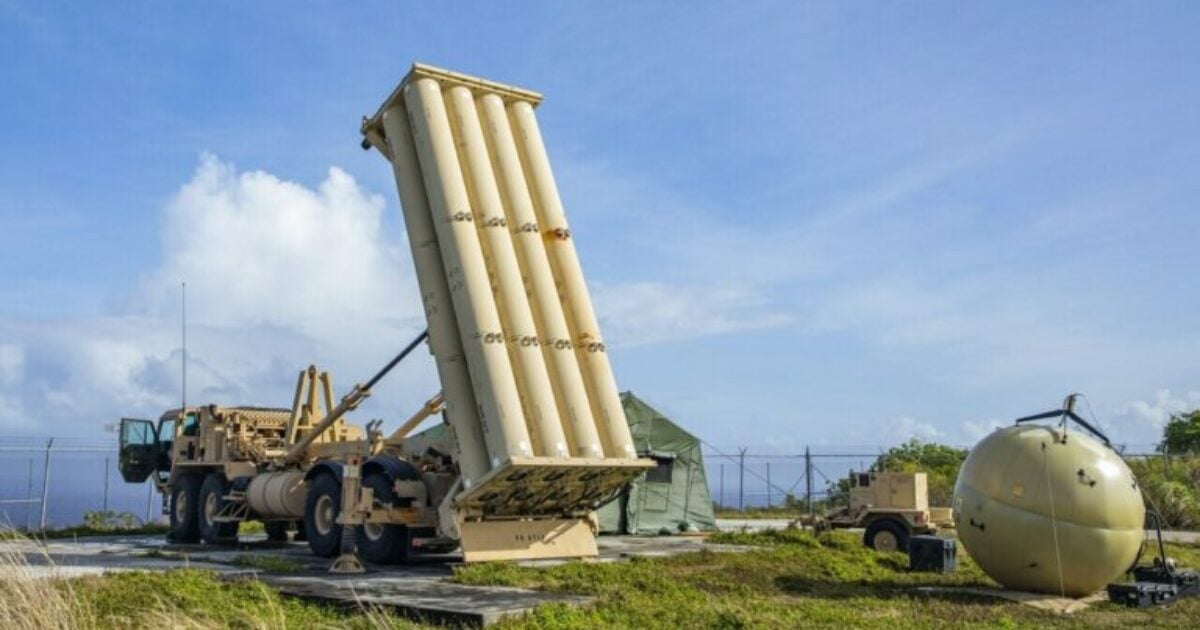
[382, 543]
[185, 526]
[321, 509]
[211, 500]
[886, 535]
[277, 531]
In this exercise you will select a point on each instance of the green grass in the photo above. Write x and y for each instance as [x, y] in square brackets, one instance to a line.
[787, 578]
[270, 564]
[80, 531]
[251, 527]
[791, 579]
[197, 599]
[763, 513]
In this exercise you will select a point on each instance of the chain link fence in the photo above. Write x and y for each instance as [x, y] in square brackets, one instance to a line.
[748, 478]
[740, 478]
[52, 483]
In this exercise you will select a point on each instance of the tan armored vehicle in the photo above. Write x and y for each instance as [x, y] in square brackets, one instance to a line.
[194, 452]
[892, 507]
[539, 437]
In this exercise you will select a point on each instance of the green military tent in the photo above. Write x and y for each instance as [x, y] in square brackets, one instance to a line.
[672, 496]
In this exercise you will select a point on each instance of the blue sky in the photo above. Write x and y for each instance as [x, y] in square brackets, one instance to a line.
[803, 223]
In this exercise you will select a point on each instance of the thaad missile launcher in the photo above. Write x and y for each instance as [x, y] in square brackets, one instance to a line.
[530, 396]
[538, 438]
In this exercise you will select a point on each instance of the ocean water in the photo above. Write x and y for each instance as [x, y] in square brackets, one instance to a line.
[76, 485]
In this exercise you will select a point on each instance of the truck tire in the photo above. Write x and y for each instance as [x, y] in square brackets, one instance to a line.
[382, 543]
[321, 509]
[277, 531]
[211, 500]
[887, 535]
[185, 501]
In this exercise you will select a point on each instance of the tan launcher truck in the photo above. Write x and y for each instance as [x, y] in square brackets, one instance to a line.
[892, 507]
[537, 435]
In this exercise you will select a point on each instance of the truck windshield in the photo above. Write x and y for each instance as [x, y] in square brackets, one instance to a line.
[166, 430]
[137, 432]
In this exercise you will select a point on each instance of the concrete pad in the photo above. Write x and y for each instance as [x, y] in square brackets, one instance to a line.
[1041, 601]
[752, 524]
[1187, 538]
[76, 558]
[763, 524]
[425, 598]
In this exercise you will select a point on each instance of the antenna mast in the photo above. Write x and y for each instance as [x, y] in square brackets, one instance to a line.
[183, 393]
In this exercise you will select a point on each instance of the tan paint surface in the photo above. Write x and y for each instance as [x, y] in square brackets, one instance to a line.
[527, 539]
[520, 334]
[467, 275]
[555, 336]
[444, 341]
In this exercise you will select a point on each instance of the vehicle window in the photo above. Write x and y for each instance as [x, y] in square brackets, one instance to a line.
[138, 432]
[166, 430]
[661, 473]
[191, 424]
[864, 480]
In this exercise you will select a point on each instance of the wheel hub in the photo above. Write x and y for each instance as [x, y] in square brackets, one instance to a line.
[181, 501]
[210, 508]
[323, 515]
[886, 541]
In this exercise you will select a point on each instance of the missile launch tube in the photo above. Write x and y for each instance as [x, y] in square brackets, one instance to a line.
[467, 276]
[589, 347]
[565, 377]
[529, 366]
[444, 341]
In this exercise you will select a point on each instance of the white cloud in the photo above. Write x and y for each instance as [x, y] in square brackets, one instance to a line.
[279, 275]
[256, 249]
[905, 428]
[975, 430]
[12, 371]
[650, 312]
[12, 363]
[1154, 414]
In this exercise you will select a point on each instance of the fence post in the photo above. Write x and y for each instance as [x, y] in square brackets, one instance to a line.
[29, 497]
[808, 481]
[105, 506]
[687, 495]
[769, 504]
[741, 479]
[46, 483]
[721, 496]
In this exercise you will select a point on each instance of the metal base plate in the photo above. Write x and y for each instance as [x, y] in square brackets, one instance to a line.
[548, 486]
[484, 541]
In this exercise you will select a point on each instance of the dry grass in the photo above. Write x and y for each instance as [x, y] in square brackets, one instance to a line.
[35, 595]
[28, 599]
